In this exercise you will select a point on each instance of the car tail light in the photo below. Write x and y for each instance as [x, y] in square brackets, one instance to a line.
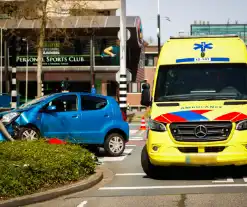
[124, 116]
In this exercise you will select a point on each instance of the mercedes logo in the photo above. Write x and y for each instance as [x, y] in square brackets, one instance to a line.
[201, 131]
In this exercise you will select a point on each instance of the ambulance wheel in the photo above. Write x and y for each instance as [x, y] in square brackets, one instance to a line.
[151, 170]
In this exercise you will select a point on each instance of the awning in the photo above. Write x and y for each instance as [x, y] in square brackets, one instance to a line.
[102, 25]
[71, 22]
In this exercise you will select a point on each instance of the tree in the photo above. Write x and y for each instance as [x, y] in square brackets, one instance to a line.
[44, 11]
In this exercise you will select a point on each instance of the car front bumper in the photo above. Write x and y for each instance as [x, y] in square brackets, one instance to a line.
[229, 157]
[10, 130]
[164, 151]
[2, 138]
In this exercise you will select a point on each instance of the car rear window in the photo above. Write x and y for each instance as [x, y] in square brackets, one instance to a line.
[92, 103]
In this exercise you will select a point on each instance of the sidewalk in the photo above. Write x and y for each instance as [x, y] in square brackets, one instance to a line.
[135, 116]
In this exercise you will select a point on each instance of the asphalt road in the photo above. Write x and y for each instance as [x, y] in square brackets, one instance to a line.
[125, 184]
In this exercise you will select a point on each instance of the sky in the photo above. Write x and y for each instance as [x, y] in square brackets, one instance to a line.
[183, 13]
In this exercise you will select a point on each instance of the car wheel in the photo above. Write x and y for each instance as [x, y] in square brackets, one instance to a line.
[114, 144]
[151, 170]
[28, 134]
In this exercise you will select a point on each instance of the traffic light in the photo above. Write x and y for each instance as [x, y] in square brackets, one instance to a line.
[62, 85]
[65, 85]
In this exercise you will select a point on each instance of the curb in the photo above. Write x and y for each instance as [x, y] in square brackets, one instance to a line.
[54, 193]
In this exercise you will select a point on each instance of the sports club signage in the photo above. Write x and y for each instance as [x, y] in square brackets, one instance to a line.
[65, 60]
[56, 60]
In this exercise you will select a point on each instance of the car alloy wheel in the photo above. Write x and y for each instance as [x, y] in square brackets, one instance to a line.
[116, 144]
[29, 134]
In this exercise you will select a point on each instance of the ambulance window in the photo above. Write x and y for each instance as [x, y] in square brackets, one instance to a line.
[214, 78]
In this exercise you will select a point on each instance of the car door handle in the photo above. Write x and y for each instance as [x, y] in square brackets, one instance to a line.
[75, 116]
[106, 115]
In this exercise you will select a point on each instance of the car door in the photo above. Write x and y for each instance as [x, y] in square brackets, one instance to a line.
[65, 121]
[96, 115]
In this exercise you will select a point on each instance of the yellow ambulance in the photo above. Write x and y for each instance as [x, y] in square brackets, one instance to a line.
[198, 114]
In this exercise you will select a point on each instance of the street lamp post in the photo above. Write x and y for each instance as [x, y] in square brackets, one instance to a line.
[26, 93]
[158, 27]
[123, 75]
[1, 62]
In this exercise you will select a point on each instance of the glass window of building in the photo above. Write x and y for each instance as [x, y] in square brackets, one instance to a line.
[149, 59]
[71, 52]
[134, 87]
[221, 29]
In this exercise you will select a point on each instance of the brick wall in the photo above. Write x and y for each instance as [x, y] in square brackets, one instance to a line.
[141, 66]
[148, 73]
[134, 99]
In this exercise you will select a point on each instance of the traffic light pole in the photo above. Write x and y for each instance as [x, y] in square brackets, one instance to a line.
[13, 64]
[123, 75]
[92, 59]
[1, 62]
[6, 66]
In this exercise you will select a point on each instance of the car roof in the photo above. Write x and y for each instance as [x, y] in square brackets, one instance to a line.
[82, 93]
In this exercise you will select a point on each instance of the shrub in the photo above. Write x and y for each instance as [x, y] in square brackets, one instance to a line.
[28, 167]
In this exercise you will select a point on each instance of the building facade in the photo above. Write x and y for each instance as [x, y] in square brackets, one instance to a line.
[220, 29]
[70, 57]
[135, 88]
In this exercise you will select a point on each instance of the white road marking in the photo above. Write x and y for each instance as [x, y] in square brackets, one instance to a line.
[173, 187]
[127, 151]
[133, 131]
[82, 204]
[130, 145]
[142, 132]
[112, 159]
[130, 174]
[136, 138]
[228, 180]
[116, 159]
[134, 124]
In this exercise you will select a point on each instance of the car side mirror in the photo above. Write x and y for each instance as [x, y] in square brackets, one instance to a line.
[51, 108]
[145, 99]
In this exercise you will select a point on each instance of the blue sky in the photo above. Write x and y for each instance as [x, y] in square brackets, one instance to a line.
[183, 13]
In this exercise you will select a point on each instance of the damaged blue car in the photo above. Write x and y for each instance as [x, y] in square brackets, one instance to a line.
[80, 118]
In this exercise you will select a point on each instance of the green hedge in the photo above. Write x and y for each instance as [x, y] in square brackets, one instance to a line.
[29, 167]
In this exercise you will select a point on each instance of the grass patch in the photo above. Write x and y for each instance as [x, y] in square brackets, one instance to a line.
[29, 167]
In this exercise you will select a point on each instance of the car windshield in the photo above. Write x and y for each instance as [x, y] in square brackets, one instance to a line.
[33, 102]
[201, 82]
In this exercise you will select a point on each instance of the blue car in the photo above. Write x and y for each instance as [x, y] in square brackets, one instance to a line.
[80, 118]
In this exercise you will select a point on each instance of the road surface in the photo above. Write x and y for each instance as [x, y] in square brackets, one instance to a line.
[126, 185]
